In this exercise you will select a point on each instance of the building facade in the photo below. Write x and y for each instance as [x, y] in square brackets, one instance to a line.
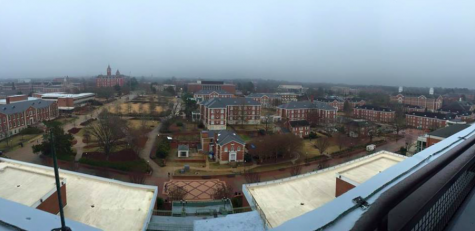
[300, 128]
[110, 80]
[16, 116]
[223, 146]
[374, 113]
[428, 120]
[208, 94]
[217, 113]
[317, 112]
[431, 102]
[210, 85]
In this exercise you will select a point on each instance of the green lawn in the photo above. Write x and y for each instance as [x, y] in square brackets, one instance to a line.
[14, 141]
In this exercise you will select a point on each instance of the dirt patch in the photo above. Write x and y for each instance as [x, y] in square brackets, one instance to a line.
[74, 130]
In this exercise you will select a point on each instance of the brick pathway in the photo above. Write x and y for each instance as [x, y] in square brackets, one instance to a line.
[197, 189]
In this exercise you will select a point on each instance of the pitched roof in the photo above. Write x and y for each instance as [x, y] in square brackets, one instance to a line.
[259, 95]
[449, 131]
[433, 115]
[21, 106]
[299, 123]
[374, 108]
[306, 105]
[226, 136]
[417, 95]
[223, 102]
[207, 92]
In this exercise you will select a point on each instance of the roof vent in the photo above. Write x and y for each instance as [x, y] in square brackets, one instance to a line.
[13, 107]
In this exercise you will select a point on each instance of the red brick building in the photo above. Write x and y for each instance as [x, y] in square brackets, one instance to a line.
[413, 108]
[300, 128]
[339, 103]
[216, 113]
[306, 110]
[14, 117]
[374, 113]
[110, 80]
[431, 102]
[211, 85]
[428, 120]
[208, 94]
[223, 146]
[271, 100]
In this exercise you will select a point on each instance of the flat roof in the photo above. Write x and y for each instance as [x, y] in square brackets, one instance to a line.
[282, 200]
[99, 202]
[24, 187]
[66, 95]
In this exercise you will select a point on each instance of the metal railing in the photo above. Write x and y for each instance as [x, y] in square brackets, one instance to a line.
[428, 198]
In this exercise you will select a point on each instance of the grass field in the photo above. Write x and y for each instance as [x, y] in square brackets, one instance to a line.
[14, 141]
[138, 123]
[142, 108]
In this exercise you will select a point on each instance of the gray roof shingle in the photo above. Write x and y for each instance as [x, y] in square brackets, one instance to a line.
[18, 107]
[226, 136]
[307, 105]
[223, 102]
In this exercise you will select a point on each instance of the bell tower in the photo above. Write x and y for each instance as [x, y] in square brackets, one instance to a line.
[109, 71]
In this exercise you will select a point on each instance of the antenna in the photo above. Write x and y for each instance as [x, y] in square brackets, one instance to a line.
[58, 187]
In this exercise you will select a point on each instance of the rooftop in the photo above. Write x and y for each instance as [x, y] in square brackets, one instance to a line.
[301, 194]
[17, 107]
[99, 202]
[66, 95]
[448, 131]
[306, 105]
[373, 107]
[224, 102]
[433, 115]
[207, 92]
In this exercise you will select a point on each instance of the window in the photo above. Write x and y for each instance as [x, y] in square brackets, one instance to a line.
[222, 122]
[225, 149]
[222, 110]
[239, 148]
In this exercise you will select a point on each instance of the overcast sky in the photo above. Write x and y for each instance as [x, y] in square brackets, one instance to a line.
[403, 42]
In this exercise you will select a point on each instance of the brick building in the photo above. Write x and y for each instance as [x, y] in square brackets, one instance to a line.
[216, 113]
[16, 116]
[110, 80]
[300, 128]
[339, 103]
[438, 135]
[208, 94]
[374, 113]
[305, 110]
[428, 120]
[211, 85]
[431, 102]
[413, 108]
[67, 102]
[223, 146]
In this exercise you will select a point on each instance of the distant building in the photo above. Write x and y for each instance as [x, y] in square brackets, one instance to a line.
[359, 127]
[413, 108]
[211, 85]
[438, 135]
[16, 116]
[216, 113]
[271, 100]
[208, 94]
[163, 87]
[110, 80]
[291, 88]
[374, 113]
[67, 102]
[223, 146]
[300, 128]
[304, 110]
[428, 120]
[339, 103]
[431, 102]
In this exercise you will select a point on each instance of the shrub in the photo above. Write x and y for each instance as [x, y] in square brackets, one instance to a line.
[201, 125]
[247, 157]
[163, 149]
[179, 124]
[31, 131]
[136, 165]
[159, 202]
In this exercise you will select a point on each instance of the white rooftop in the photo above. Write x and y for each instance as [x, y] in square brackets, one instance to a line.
[98, 202]
[284, 199]
[66, 95]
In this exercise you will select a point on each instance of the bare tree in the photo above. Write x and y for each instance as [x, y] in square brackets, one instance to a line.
[133, 138]
[222, 191]
[137, 177]
[295, 170]
[341, 140]
[251, 176]
[129, 108]
[140, 108]
[118, 109]
[176, 193]
[107, 131]
[322, 144]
